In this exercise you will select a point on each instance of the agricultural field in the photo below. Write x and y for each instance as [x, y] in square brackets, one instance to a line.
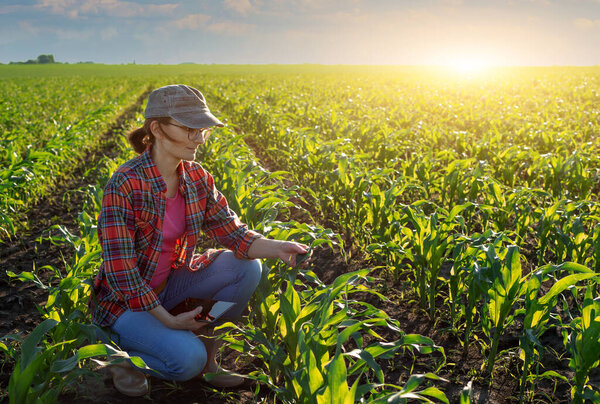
[454, 223]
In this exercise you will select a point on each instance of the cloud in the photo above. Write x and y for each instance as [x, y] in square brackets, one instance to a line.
[240, 6]
[114, 8]
[193, 22]
[230, 28]
[586, 23]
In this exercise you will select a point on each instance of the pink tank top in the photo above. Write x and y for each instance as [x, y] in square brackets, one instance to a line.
[173, 229]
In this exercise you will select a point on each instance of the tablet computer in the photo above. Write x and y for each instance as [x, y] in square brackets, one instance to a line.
[212, 309]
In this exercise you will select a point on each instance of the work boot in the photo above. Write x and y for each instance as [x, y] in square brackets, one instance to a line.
[127, 380]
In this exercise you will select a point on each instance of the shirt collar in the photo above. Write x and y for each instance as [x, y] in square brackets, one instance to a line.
[158, 184]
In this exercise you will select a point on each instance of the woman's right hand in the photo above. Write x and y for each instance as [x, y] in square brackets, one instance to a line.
[182, 321]
[187, 321]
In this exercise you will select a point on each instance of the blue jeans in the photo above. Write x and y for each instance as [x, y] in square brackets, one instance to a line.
[180, 354]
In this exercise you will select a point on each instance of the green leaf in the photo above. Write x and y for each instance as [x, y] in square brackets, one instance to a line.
[435, 393]
[29, 347]
[563, 284]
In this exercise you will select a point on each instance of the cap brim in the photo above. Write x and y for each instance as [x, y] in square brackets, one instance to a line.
[197, 120]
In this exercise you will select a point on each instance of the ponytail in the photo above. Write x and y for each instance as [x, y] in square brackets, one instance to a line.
[142, 138]
[139, 139]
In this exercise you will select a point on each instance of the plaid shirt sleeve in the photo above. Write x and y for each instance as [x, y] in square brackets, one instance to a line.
[118, 253]
[223, 225]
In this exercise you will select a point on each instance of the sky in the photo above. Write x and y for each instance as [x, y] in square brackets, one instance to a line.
[391, 32]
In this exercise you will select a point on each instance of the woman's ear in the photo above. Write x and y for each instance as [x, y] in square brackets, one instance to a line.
[155, 129]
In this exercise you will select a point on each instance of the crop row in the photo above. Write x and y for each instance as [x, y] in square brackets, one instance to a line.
[46, 131]
[447, 222]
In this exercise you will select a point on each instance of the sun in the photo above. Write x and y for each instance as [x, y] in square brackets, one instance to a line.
[469, 64]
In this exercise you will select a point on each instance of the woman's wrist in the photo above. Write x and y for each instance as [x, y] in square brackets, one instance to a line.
[166, 318]
[264, 248]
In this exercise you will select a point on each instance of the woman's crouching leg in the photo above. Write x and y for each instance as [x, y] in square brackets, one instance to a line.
[171, 354]
[228, 278]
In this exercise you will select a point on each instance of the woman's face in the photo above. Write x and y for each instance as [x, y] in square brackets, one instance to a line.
[178, 141]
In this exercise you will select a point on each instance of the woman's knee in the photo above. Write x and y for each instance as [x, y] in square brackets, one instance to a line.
[249, 270]
[253, 272]
[190, 362]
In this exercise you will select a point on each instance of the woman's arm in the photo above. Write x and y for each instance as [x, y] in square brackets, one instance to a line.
[223, 225]
[116, 235]
[284, 250]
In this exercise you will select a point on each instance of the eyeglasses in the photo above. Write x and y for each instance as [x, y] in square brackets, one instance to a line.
[194, 134]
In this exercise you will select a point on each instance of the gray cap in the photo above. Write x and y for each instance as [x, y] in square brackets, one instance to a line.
[183, 103]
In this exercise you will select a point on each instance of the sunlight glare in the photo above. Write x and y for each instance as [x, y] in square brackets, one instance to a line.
[469, 64]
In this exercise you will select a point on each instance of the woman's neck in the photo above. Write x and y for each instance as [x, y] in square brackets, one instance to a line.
[167, 166]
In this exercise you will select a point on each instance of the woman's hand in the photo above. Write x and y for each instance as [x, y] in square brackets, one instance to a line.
[182, 321]
[289, 250]
[284, 250]
[187, 321]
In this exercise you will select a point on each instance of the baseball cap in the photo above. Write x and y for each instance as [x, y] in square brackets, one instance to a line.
[183, 103]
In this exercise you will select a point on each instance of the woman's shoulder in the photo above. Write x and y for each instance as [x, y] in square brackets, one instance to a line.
[125, 173]
[195, 170]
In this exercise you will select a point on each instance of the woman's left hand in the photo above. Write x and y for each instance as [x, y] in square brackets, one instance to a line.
[288, 250]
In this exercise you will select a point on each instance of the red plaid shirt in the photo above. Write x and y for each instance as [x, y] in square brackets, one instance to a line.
[130, 232]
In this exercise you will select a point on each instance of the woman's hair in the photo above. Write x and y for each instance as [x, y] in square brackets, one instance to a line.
[142, 137]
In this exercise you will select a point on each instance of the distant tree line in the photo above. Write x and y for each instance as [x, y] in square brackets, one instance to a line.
[41, 60]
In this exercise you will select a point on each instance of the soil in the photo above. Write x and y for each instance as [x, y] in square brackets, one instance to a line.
[19, 302]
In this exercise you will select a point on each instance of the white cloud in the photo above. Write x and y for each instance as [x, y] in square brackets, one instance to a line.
[193, 22]
[241, 6]
[56, 6]
[230, 28]
[586, 23]
[115, 8]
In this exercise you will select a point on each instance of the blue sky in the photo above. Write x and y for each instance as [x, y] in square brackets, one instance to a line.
[503, 32]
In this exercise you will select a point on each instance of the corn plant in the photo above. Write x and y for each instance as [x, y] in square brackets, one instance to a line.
[582, 343]
[567, 229]
[409, 391]
[468, 282]
[46, 367]
[301, 337]
[507, 286]
[538, 313]
[428, 245]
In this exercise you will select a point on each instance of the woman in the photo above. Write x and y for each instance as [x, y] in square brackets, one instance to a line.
[154, 208]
